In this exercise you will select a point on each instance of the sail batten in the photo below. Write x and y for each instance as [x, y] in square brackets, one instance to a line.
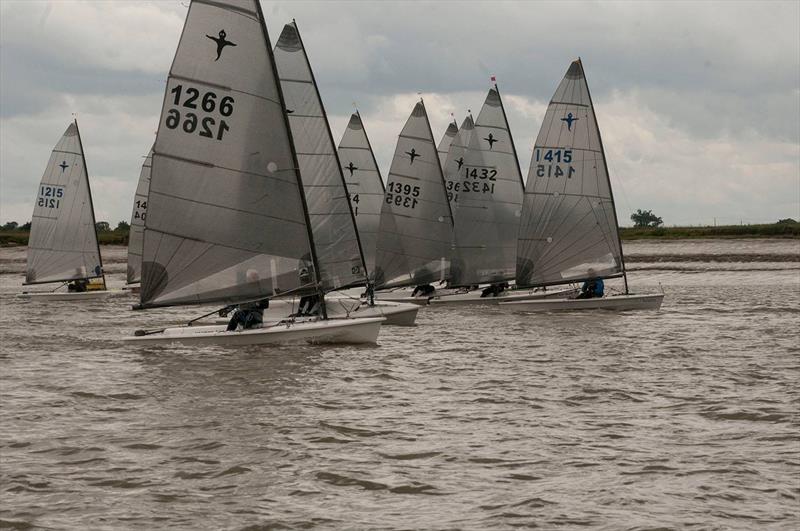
[335, 237]
[569, 229]
[226, 219]
[63, 240]
[416, 224]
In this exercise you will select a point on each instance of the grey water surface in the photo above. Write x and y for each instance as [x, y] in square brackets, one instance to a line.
[477, 418]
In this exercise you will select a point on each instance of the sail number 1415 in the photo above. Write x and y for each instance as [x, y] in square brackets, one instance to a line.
[554, 158]
[188, 104]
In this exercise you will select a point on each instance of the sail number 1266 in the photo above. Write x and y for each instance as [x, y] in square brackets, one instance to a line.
[189, 102]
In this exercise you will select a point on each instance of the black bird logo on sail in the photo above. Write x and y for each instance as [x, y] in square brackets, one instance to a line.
[63, 166]
[460, 162]
[222, 42]
[569, 119]
[491, 139]
[351, 167]
[413, 154]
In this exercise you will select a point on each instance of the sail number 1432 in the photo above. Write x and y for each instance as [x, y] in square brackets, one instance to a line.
[189, 102]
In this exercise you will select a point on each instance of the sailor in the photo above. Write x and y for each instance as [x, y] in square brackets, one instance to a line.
[77, 286]
[591, 288]
[494, 290]
[249, 315]
[424, 290]
[309, 305]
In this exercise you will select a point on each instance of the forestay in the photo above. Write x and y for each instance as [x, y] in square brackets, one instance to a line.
[63, 240]
[447, 139]
[138, 216]
[568, 231]
[225, 211]
[416, 227]
[488, 202]
[333, 228]
[455, 160]
[364, 185]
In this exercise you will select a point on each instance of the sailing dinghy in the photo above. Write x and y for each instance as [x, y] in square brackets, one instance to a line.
[227, 221]
[416, 227]
[136, 235]
[569, 231]
[365, 191]
[342, 250]
[62, 247]
[447, 139]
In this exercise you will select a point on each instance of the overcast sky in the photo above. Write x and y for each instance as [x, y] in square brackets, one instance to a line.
[698, 102]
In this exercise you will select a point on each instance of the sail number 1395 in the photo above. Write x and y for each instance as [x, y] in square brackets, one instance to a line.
[189, 102]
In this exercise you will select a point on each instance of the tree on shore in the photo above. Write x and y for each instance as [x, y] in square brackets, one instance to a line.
[645, 218]
[11, 225]
[102, 226]
[122, 226]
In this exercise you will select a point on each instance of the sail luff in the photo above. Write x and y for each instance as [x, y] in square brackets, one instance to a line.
[510, 138]
[335, 155]
[138, 215]
[91, 204]
[372, 153]
[608, 177]
[441, 173]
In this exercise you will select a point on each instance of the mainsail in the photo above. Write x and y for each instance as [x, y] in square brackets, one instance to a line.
[416, 226]
[455, 160]
[568, 231]
[489, 205]
[63, 242]
[138, 216]
[364, 185]
[447, 139]
[333, 228]
[226, 219]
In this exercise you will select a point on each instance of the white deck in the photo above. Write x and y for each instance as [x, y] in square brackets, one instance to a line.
[349, 331]
[615, 303]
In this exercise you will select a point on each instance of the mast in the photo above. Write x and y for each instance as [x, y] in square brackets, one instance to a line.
[441, 173]
[91, 205]
[371, 152]
[608, 177]
[335, 151]
[511, 139]
[314, 261]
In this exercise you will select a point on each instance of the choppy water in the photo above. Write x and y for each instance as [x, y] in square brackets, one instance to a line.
[685, 418]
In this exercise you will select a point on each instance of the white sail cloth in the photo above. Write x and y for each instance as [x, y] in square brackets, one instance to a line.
[364, 185]
[225, 215]
[455, 160]
[139, 214]
[63, 240]
[333, 229]
[487, 213]
[444, 144]
[416, 227]
[568, 231]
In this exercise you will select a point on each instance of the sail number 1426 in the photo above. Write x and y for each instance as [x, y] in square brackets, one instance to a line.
[189, 102]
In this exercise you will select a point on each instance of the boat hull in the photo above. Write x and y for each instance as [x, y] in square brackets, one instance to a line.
[330, 331]
[615, 303]
[395, 313]
[71, 296]
[474, 297]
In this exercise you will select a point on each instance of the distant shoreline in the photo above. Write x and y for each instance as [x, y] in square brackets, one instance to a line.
[773, 230]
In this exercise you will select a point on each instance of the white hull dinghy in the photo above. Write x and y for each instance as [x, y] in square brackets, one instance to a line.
[345, 331]
[474, 296]
[650, 301]
[71, 295]
[569, 232]
[395, 313]
[63, 247]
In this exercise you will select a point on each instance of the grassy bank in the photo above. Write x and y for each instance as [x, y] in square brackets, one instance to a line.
[773, 230]
[14, 237]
